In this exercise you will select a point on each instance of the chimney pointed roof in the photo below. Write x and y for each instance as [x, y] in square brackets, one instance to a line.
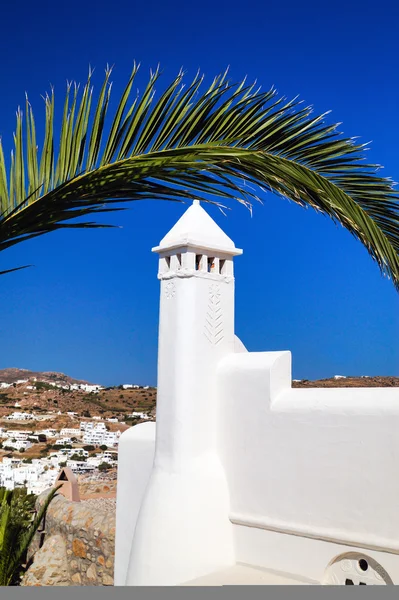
[197, 229]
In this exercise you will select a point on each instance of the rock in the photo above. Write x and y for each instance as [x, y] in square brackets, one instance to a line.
[107, 580]
[101, 560]
[78, 548]
[91, 573]
[49, 566]
[77, 579]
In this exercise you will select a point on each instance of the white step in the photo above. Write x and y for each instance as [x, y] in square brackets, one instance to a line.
[241, 574]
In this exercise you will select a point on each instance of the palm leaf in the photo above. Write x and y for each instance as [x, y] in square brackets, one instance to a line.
[229, 141]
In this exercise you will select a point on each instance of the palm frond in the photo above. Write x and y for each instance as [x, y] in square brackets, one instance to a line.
[230, 141]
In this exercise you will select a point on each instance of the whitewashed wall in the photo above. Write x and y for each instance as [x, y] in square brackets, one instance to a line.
[321, 464]
[135, 460]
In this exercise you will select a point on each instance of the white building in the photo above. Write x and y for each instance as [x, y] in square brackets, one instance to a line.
[78, 466]
[86, 387]
[71, 432]
[17, 435]
[63, 441]
[98, 436]
[17, 444]
[139, 415]
[244, 479]
[20, 416]
[110, 457]
[112, 420]
[50, 432]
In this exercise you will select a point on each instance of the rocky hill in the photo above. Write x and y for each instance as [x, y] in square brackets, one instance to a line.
[342, 381]
[12, 375]
[38, 392]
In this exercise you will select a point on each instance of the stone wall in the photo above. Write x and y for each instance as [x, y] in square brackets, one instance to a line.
[76, 546]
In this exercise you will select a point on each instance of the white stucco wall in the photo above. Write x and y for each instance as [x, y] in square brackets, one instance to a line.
[317, 463]
[135, 460]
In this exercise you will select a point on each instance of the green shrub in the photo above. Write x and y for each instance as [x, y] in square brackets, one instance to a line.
[104, 467]
[18, 525]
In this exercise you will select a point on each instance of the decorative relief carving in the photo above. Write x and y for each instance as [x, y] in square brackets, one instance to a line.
[213, 328]
[170, 290]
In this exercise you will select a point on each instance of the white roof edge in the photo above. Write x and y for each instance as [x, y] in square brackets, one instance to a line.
[195, 245]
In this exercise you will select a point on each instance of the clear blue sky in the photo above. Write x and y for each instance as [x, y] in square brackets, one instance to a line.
[89, 307]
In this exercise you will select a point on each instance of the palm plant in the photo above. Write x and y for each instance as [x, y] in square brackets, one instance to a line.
[17, 529]
[225, 142]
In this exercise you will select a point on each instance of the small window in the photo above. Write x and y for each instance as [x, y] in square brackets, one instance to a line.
[222, 264]
[211, 265]
[167, 261]
[198, 258]
[178, 261]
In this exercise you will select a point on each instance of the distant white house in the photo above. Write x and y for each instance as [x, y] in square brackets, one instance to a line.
[78, 466]
[139, 415]
[112, 420]
[48, 432]
[18, 444]
[110, 457]
[17, 435]
[86, 387]
[20, 416]
[63, 441]
[99, 436]
[69, 431]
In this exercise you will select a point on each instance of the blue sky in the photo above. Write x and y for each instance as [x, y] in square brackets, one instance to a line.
[89, 307]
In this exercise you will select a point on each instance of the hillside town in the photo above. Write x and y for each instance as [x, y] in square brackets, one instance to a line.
[36, 441]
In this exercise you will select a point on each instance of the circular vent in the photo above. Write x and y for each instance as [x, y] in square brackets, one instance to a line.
[356, 569]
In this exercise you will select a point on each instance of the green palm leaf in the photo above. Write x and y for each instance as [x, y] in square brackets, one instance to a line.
[227, 141]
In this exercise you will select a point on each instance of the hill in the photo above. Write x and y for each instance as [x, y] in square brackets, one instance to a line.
[11, 375]
[38, 392]
[342, 381]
